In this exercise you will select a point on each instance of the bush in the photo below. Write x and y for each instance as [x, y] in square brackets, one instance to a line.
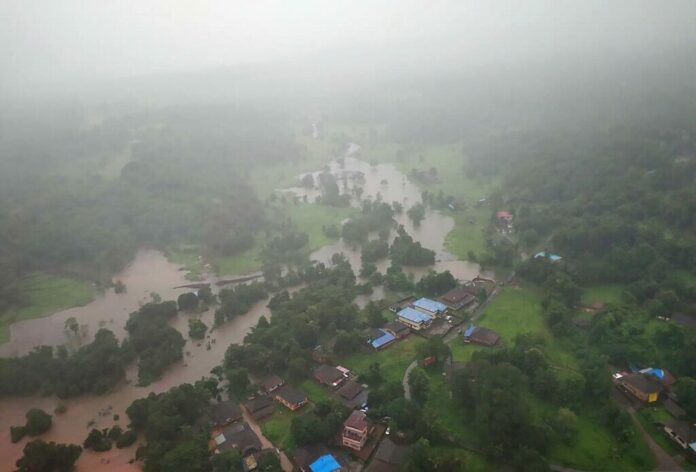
[38, 422]
[197, 328]
[17, 433]
[115, 433]
[126, 439]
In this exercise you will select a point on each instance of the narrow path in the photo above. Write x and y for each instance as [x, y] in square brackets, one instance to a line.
[407, 387]
[284, 461]
[663, 461]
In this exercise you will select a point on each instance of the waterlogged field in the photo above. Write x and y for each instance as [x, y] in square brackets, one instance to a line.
[45, 294]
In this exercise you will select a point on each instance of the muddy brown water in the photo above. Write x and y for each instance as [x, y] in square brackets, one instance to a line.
[150, 272]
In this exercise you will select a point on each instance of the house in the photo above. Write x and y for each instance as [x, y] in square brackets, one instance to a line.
[414, 319]
[225, 413]
[326, 463]
[355, 430]
[352, 395]
[644, 387]
[504, 216]
[271, 383]
[380, 338]
[673, 408]
[240, 437]
[307, 456]
[260, 407]
[344, 370]
[397, 329]
[291, 397]
[482, 336]
[544, 255]
[251, 462]
[328, 375]
[430, 307]
[682, 433]
[401, 304]
[458, 298]
[390, 457]
[663, 376]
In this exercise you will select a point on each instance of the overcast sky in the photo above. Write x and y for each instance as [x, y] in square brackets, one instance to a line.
[63, 40]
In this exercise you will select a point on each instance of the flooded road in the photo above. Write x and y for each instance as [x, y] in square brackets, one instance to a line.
[150, 272]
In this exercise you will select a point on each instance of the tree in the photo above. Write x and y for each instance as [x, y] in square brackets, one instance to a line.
[38, 422]
[420, 384]
[238, 381]
[308, 181]
[72, 326]
[191, 455]
[97, 441]
[187, 301]
[269, 462]
[686, 391]
[375, 318]
[126, 439]
[565, 424]
[229, 460]
[40, 456]
[416, 213]
[197, 328]
[17, 433]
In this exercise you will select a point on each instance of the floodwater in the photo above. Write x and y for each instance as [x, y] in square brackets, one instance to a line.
[150, 272]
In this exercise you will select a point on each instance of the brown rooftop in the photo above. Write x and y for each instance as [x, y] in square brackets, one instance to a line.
[350, 390]
[642, 383]
[484, 336]
[458, 296]
[356, 420]
[328, 375]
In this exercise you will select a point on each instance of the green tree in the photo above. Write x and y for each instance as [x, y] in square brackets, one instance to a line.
[38, 422]
[40, 456]
[420, 385]
[565, 424]
[227, 461]
[187, 301]
[197, 328]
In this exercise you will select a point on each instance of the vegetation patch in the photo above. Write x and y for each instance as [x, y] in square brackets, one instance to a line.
[45, 294]
[392, 360]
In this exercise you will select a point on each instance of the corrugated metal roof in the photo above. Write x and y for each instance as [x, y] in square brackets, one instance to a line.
[429, 305]
[382, 340]
[414, 315]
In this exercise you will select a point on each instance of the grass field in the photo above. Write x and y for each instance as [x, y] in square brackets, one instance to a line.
[314, 391]
[187, 256]
[46, 294]
[242, 263]
[466, 236]
[610, 293]
[277, 427]
[311, 217]
[393, 360]
[517, 310]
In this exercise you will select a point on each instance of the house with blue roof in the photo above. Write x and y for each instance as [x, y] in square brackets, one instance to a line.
[414, 319]
[544, 255]
[326, 463]
[431, 307]
[380, 338]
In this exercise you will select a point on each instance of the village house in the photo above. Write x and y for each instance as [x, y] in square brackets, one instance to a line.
[644, 387]
[390, 457]
[251, 462]
[316, 458]
[225, 413]
[430, 307]
[271, 383]
[458, 298]
[352, 395]
[414, 319]
[397, 329]
[356, 429]
[380, 338]
[683, 434]
[293, 398]
[482, 336]
[260, 407]
[504, 216]
[240, 437]
[329, 376]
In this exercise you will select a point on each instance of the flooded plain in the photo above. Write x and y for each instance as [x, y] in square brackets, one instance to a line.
[150, 272]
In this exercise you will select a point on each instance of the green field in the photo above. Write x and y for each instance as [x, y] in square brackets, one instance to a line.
[243, 263]
[277, 427]
[314, 391]
[45, 294]
[311, 217]
[393, 360]
[468, 234]
[187, 256]
[610, 293]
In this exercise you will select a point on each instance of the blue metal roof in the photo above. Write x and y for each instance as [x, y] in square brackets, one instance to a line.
[326, 463]
[414, 315]
[469, 331]
[386, 338]
[552, 257]
[659, 373]
[430, 305]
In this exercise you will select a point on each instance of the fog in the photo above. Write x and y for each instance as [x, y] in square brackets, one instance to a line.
[56, 45]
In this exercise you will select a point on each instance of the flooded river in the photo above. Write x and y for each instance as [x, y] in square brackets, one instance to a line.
[150, 272]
